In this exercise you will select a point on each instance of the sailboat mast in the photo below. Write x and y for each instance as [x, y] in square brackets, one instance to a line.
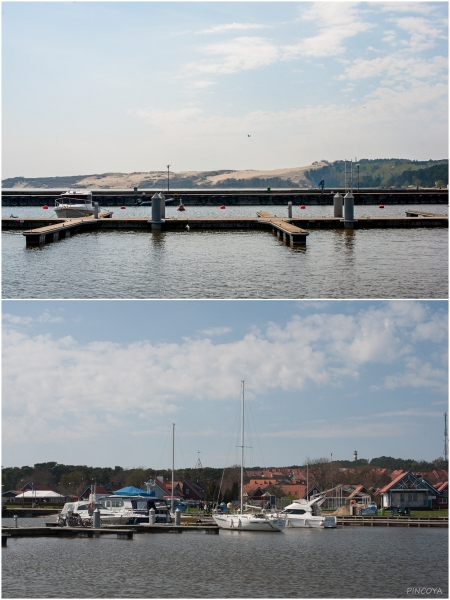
[242, 453]
[173, 465]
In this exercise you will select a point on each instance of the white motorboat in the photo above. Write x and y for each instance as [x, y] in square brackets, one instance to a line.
[126, 509]
[80, 514]
[250, 521]
[136, 507]
[307, 513]
[73, 204]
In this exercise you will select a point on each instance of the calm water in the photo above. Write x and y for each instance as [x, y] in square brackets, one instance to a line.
[200, 264]
[348, 562]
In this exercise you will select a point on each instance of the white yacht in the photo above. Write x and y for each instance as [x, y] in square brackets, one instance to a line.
[136, 507]
[73, 204]
[252, 521]
[80, 513]
[126, 509]
[307, 513]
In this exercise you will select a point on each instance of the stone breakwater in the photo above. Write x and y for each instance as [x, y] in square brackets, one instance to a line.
[108, 198]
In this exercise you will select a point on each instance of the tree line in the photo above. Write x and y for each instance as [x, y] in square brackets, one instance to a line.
[383, 173]
[72, 479]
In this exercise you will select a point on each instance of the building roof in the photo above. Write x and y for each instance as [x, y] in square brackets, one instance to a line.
[395, 480]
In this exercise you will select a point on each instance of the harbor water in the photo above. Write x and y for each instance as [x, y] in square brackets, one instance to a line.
[348, 562]
[371, 263]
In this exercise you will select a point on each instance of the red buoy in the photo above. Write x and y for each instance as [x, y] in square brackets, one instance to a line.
[223, 207]
[122, 207]
[45, 207]
[381, 205]
[181, 207]
[303, 206]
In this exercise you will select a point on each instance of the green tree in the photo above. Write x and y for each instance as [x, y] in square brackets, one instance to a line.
[136, 478]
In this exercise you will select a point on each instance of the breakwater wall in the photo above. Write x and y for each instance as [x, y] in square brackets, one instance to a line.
[108, 198]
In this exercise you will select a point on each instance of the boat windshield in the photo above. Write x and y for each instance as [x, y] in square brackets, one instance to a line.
[74, 200]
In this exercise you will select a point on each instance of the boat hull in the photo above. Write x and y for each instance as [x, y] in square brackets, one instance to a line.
[308, 522]
[73, 212]
[249, 523]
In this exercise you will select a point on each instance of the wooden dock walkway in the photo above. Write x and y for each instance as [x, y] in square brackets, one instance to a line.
[290, 234]
[122, 533]
[63, 229]
[291, 231]
[379, 521]
[421, 213]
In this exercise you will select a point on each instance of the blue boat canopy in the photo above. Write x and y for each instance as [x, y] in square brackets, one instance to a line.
[133, 491]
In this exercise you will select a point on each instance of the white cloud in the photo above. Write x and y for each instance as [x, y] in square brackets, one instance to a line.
[402, 7]
[336, 22]
[101, 383]
[232, 27]
[418, 374]
[239, 54]
[423, 33]
[397, 68]
[45, 317]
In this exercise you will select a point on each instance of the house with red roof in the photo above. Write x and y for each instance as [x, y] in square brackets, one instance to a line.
[408, 490]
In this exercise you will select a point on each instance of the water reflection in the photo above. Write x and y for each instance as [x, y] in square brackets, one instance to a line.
[399, 263]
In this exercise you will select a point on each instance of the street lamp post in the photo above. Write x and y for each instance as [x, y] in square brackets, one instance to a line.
[358, 175]
[168, 178]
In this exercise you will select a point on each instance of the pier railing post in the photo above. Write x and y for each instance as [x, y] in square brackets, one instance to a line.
[151, 516]
[95, 210]
[290, 210]
[178, 517]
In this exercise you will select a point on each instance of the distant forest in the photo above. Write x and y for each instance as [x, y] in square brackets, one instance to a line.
[73, 478]
[384, 173]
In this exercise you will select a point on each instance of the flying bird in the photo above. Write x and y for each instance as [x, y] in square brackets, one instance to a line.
[248, 135]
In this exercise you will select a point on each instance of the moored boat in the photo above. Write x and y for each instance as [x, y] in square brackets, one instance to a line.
[307, 513]
[74, 203]
[249, 521]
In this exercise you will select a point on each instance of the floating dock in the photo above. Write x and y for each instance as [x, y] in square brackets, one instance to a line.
[293, 231]
[120, 531]
[372, 521]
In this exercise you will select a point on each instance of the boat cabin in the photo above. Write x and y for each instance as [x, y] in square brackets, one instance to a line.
[74, 197]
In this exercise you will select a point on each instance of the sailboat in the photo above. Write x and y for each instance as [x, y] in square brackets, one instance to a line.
[249, 521]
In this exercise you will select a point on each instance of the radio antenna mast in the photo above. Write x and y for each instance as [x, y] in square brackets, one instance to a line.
[198, 464]
[445, 438]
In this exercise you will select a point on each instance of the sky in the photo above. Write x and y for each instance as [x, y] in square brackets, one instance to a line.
[95, 87]
[101, 382]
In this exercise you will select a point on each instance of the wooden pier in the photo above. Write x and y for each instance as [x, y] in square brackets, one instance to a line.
[64, 228]
[122, 533]
[380, 521]
[288, 233]
[292, 231]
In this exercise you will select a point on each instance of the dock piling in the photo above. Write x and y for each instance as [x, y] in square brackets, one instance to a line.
[338, 203]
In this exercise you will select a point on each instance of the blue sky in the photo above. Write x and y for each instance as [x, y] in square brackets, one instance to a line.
[94, 87]
[101, 382]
